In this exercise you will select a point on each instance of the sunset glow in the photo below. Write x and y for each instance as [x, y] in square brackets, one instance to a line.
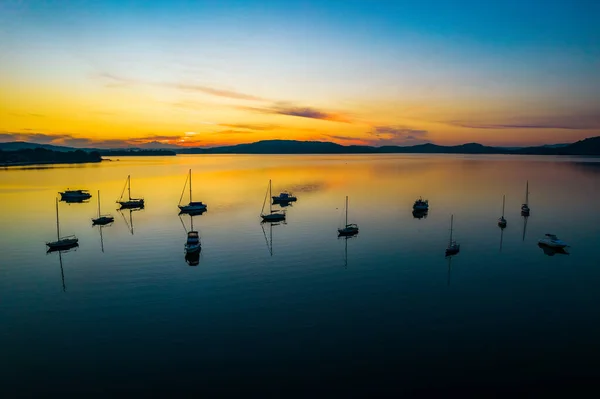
[113, 74]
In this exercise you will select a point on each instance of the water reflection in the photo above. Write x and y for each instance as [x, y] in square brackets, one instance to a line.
[346, 238]
[449, 269]
[501, 237]
[129, 223]
[269, 240]
[551, 251]
[525, 226]
[192, 246]
[60, 260]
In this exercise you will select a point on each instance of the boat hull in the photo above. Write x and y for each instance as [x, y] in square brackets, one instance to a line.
[192, 208]
[191, 248]
[552, 244]
[273, 217]
[62, 244]
[131, 204]
[284, 199]
[75, 196]
[347, 232]
[103, 220]
[421, 207]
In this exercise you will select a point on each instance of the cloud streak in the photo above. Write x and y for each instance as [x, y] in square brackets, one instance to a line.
[397, 135]
[301, 112]
[568, 122]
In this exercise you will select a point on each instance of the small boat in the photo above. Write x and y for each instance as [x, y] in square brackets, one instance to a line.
[102, 219]
[453, 247]
[350, 229]
[501, 220]
[421, 205]
[552, 241]
[273, 215]
[75, 195]
[61, 242]
[525, 207]
[284, 197]
[193, 238]
[193, 206]
[130, 202]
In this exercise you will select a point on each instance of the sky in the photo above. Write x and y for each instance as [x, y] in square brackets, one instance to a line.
[207, 73]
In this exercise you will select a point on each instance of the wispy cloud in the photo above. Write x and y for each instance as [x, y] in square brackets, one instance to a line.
[397, 135]
[567, 122]
[115, 80]
[249, 126]
[69, 140]
[301, 112]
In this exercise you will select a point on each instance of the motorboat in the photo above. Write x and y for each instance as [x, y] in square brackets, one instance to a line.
[453, 247]
[552, 241]
[349, 229]
[102, 219]
[192, 206]
[273, 215]
[75, 195]
[129, 202]
[193, 242]
[551, 251]
[61, 242]
[284, 197]
[421, 205]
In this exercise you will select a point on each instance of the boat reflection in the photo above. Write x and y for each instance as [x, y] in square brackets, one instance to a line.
[62, 272]
[101, 238]
[269, 240]
[449, 257]
[501, 238]
[346, 238]
[130, 222]
[419, 214]
[551, 251]
[192, 246]
[525, 226]
[193, 258]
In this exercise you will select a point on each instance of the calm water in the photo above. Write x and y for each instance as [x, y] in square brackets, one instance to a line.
[292, 309]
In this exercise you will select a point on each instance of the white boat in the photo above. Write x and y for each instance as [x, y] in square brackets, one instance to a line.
[193, 206]
[453, 247]
[349, 229]
[525, 207]
[273, 215]
[421, 205]
[502, 220]
[102, 219]
[284, 196]
[130, 202]
[61, 242]
[75, 195]
[552, 241]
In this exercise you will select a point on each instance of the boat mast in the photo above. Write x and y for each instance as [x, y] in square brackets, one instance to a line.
[451, 223]
[503, 201]
[57, 224]
[527, 193]
[190, 186]
[270, 202]
[98, 203]
[346, 211]
[129, 186]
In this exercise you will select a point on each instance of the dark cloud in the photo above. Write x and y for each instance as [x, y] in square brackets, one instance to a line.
[569, 122]
[233, 131]
[27, 114]
[342, 138]
[68, 140]
[397, 135]
[302, 112]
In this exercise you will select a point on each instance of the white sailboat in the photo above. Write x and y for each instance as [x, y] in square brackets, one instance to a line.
[273, 215]
[349, 229]
[525, 207]
[502, 220]
[193, 206]
[453, 247]
[102, 219]
[130, 202]
[61, 242]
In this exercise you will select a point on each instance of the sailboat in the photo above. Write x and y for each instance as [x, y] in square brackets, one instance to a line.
[130, 202]
[102, 219]
[273, 215]
[525, 207]
[349, 229]
[501, 220]
[61, 242]
[192, 207]
[453, 247]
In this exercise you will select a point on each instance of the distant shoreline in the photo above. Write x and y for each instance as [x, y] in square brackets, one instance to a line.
[33, 163]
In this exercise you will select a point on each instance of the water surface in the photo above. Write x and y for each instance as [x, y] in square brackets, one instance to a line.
[290, 308]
